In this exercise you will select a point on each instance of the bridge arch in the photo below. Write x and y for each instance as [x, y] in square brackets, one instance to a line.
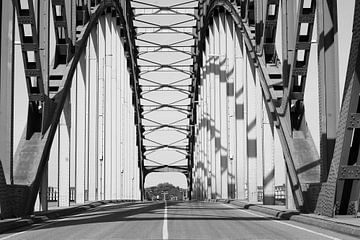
[269, 125]
[76, 56]
[246, 107]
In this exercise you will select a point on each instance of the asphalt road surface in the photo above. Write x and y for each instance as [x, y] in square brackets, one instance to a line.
[171, 220]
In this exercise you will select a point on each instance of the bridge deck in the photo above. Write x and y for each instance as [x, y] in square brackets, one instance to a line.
[180, 220]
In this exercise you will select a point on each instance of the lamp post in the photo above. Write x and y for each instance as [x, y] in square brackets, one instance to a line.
[101, 179]
[132, 188]
[122, 184]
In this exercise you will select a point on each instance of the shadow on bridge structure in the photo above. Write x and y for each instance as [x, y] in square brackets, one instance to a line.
[246, 98]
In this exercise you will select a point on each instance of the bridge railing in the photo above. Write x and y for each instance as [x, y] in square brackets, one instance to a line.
[53, 194]
[280, 194]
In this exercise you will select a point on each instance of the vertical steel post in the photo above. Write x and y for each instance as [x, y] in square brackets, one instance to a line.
[217, 105]
[7, 88]
[118, 106]
[231, 118]
[108, 109]
[200, 126]
[268, 159]
[64, 161]
[259, 133]
[328, 80]
[73, 131]
[245, 81]
[93, 99]
[102, 98]
[223, 107]
[208, 118]
[44, 40]
[113, 66]
[240, 116]
[7, 25]
[251, 132]
[80, 137]
[122, 120]
[212, 109]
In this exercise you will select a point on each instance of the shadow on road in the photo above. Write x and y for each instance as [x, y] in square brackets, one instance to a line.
[148, 211]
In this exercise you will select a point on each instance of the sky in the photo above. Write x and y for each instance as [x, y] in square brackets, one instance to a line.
[176, 179]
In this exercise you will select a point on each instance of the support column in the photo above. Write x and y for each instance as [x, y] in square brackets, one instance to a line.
[251, 133]
[44, 41]
[80, 136]
[230, 73]
[6, 91]
[126, 136]
[279, 161]
[208, 118]
[93, 89]
[128, 139]
[73, 132]
[118, 114]
[223, 107]
[259, 134]
[201, 160]
[241, 143]
[64, 160]
[205, 124]
[87, 121]
[196, 157]
[131, 145]
[122, 120]
[203, 142]
[101, 110]
[133, 160]
[113, 66]
[212, 110]
[108, 109]
[268, 160]
[6, 102]
[217, 93]
[328, 80]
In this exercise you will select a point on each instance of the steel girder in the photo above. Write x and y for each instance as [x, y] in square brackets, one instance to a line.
[282, 85]
[46, 99]
[340, 194]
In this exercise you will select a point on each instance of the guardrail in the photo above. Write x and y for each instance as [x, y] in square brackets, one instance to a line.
[280, 194]
[53, 194]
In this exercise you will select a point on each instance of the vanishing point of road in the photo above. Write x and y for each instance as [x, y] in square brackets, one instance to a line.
[171, 220]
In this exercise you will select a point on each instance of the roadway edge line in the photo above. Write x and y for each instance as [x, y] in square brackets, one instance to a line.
[328, 224]
[283, 223]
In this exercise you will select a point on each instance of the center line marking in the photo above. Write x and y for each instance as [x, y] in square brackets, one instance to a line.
[287, 224]
[165, 233]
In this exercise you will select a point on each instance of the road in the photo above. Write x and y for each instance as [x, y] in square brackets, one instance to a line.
[171, 220]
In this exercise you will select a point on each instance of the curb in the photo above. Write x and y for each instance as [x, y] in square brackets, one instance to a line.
[40, 217]
[325, 223]
[344, 228]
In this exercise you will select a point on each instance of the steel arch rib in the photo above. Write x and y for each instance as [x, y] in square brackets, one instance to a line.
[61, 96]
[277, 116]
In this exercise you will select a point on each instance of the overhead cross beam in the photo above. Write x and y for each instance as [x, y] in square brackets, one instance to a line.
[158, 77]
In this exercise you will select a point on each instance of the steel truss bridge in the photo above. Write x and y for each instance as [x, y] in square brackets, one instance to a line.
[236, 95]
